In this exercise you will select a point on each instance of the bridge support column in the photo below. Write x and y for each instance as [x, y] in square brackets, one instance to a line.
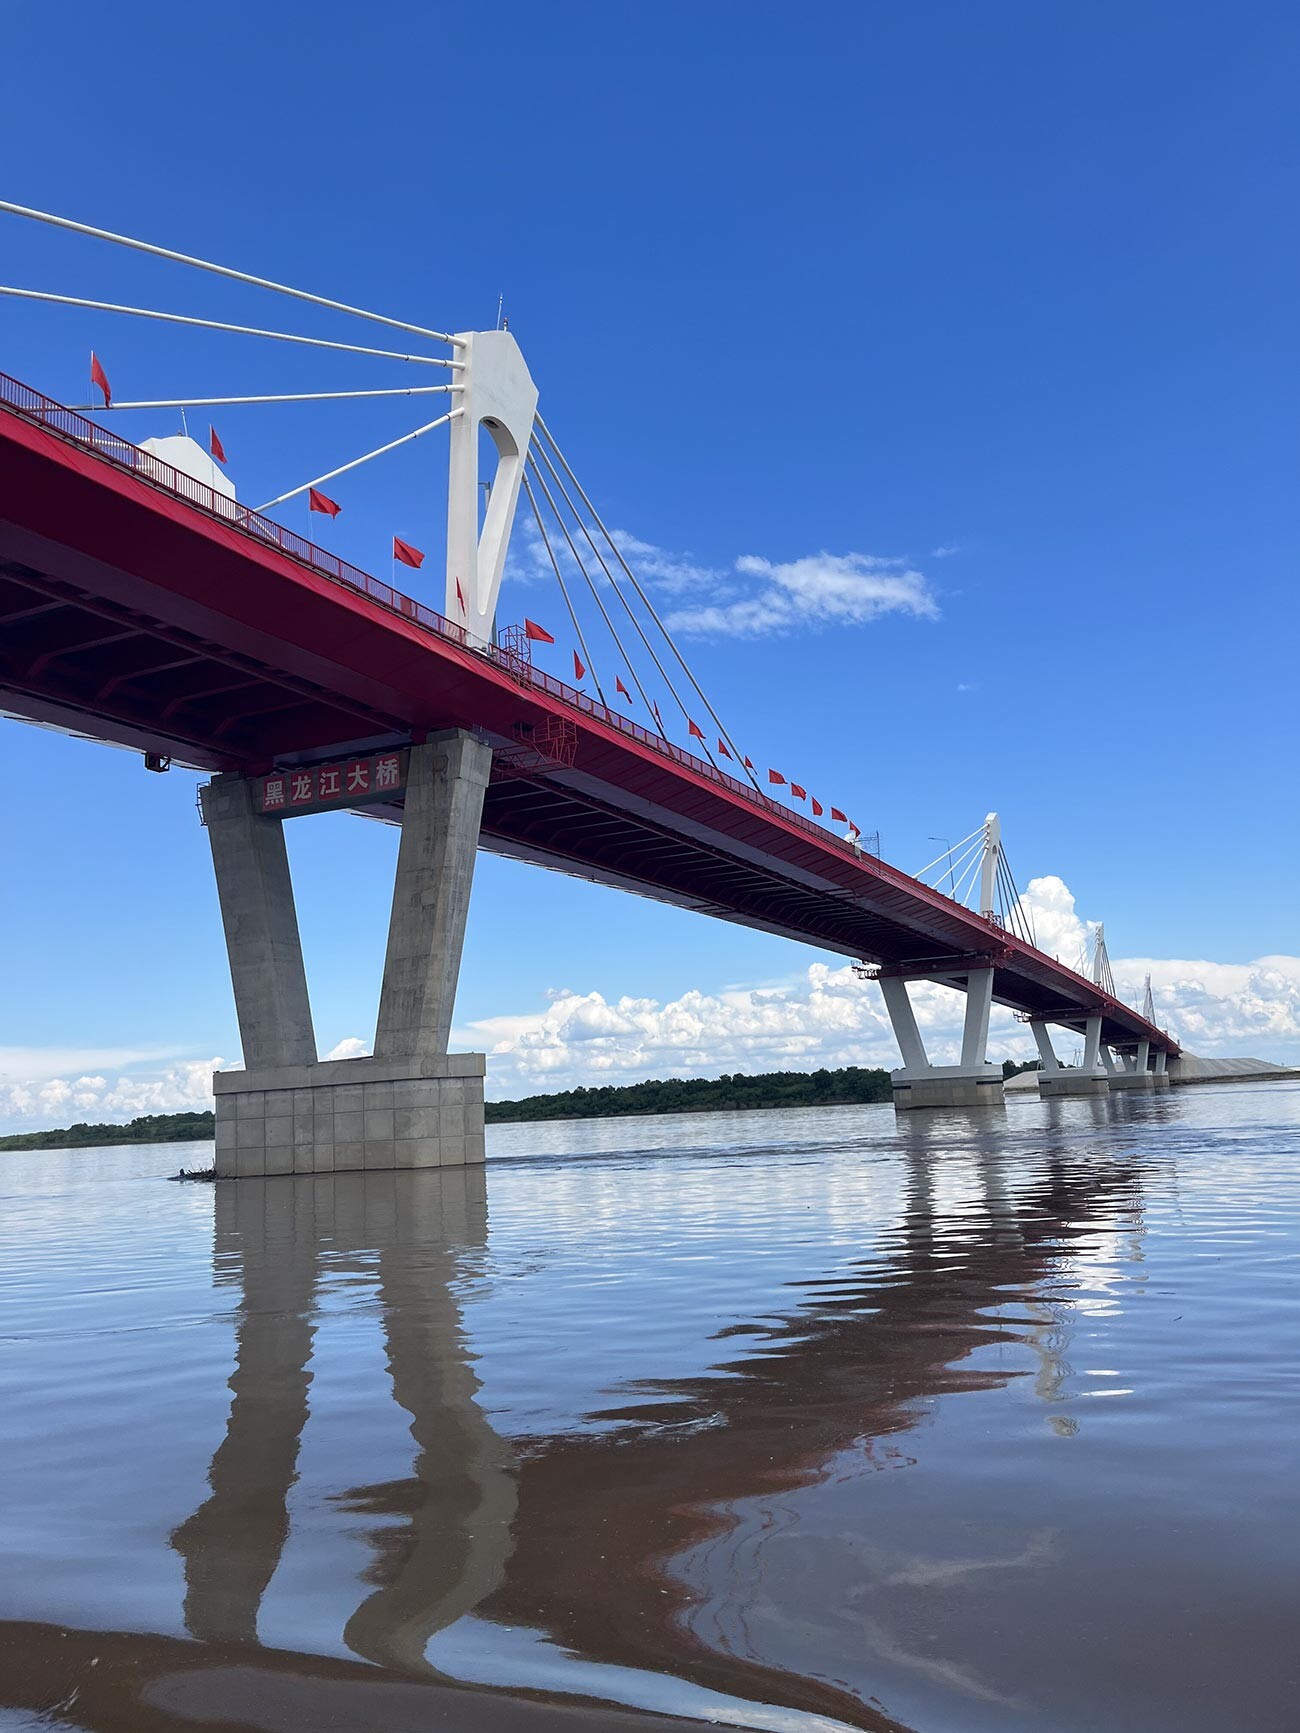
[1161, 1073]
[413, 1104]
[1058, 1079]
[973, 1083]
[261, 923]
[1133, 1071]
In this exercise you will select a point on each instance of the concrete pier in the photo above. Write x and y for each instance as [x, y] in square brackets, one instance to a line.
[948, 1086]
[972, 1083]
[412, 1105]
[261, 924]
[1056, 1079]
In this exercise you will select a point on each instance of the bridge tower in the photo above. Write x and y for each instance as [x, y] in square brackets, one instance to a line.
[973, 1081]
[410, 1104]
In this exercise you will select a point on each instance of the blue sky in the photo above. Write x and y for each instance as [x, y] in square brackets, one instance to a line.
[1006, 294]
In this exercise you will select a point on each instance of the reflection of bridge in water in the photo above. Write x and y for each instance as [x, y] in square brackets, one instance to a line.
[594, 1541]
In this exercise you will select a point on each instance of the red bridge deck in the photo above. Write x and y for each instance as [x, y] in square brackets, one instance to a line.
[137, 606]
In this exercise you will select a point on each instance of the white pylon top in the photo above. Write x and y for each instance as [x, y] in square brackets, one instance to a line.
[989, 865]
[494, 390]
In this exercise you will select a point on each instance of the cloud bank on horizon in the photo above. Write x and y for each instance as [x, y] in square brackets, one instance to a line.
[825, 1017]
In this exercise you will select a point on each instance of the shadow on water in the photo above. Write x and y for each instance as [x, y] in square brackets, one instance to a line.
[631, 1559]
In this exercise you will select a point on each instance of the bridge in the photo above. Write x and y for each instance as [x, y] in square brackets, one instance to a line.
[141, 604]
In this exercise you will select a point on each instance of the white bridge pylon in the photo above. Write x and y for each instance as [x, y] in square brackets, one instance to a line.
[495, 392]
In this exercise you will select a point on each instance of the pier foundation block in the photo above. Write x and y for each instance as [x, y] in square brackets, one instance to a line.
[1136, 1080]
[1072, 1080]
[345, 1114]
[981, 1088]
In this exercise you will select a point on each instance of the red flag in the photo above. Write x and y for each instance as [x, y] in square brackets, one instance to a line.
[749, 764]
[100, 378]
[620, 687]
[537, 634]
[776, 776]
[579, 672]
[323, 503]
[658, 718]
[853, 827]
[692, 729]
[838, 816]
[460, 596]
[723, 750]
[818, 808]
[797, 792]
[404, 552]
[215, 446]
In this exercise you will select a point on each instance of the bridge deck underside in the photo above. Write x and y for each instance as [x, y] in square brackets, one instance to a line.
[132, 616]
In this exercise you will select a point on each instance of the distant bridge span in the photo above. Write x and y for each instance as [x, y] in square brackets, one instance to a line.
[141, 608]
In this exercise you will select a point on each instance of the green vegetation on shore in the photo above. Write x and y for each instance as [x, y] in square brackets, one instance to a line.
[702, 1095]
[148, 1128]
[738, 1093]
[671, 1095]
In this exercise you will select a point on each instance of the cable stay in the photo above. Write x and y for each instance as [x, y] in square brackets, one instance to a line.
[222, 325]
[548, 480]
[1094, 959]
[737, 755]
[342, 469]
[282, 397]
[663, 674]
[978, 863]
[564, 591]
[220, 270]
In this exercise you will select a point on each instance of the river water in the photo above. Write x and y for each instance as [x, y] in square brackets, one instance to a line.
[799, 1420]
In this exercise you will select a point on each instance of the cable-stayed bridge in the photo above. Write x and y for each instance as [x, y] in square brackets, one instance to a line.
[142, 604]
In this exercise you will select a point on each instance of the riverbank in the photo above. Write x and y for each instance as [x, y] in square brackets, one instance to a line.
[738, 1093]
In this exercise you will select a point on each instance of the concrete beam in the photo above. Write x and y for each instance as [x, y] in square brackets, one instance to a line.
[261, 924]
[446, 781]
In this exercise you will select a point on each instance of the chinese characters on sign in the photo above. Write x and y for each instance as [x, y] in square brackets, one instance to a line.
[317, 785]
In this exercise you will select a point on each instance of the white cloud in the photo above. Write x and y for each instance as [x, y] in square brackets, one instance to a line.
[826, 1016]
[829, 1017]
[817, 590]
[753, 597]
[39, 1097]
[351, 1047]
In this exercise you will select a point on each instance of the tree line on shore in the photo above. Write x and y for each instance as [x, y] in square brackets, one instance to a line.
[733, 1093]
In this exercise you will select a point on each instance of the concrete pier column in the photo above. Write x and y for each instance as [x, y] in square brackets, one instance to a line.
[1134, 1074]
[1085, 1079]
[261, 923]
[973, 1083]
[975, 1027]
[411, 1105]
[1043, 1041]
[446, 782]
[894, 992]
[1091, 1043]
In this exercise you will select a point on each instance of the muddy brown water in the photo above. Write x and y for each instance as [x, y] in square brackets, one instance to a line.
[793, 1421]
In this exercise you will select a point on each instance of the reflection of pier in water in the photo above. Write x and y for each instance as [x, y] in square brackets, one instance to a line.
[583, 1537]
[612, 1526]
[458, 1504]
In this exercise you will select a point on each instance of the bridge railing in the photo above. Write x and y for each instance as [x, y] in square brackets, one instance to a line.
[112, 448]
